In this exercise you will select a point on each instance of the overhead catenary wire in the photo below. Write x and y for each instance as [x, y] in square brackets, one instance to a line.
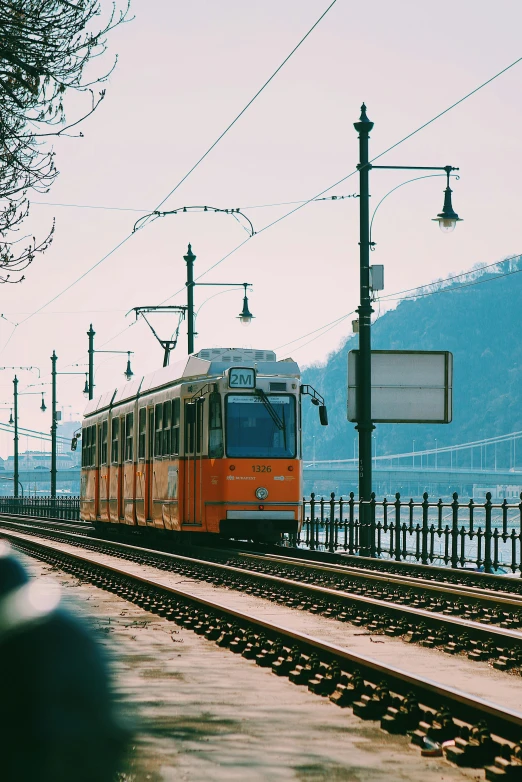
[191, 170]
[450, 289]
[297, 208]
[352, 173]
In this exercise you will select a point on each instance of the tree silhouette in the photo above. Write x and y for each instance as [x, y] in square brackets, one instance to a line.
[46, 49]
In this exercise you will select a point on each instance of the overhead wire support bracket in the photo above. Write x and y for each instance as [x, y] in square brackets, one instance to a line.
[234, 211]
[167, 344]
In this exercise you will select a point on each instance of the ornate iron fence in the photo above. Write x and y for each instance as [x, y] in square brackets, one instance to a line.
[486, 535]
[67, 508]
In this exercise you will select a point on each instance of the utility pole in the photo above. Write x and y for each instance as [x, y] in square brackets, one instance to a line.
[54, 358]
[91, 334]
[15, 473]
[190, 258]
[364, 367]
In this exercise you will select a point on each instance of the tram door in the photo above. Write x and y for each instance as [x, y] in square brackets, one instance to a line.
[96, 472]
[193, 489]
[121, 462]
[149, 468]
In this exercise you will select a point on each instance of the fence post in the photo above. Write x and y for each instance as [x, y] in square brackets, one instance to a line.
[398, 527]
[331, 540]
[373, 504]
[351, 523]
[425, 508]
[455, 531]
[312, 521]
[487, 535]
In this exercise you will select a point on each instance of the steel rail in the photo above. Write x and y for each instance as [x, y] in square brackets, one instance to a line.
[437, 708]
[514, 600]
[484, 641]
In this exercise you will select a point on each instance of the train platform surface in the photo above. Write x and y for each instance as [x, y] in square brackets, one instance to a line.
[205, 714]
[475, 678]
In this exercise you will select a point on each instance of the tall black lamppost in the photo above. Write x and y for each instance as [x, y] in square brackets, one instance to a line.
[245, 316]
[447, 220]
[14, 420]
[89, 381]
[54, 419]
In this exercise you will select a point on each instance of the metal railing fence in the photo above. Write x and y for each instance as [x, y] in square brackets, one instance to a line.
[485, 535]
[66, 508]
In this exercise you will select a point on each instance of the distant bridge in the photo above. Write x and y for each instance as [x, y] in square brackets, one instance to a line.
[397, 475]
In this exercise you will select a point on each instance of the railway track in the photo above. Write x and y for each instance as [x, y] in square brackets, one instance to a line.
[474, 732]
[481, 624]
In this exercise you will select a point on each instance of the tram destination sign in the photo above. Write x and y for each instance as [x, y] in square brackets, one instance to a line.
[407, 386]
[241, 377]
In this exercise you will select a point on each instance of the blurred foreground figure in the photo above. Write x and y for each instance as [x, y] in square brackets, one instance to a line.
[58, 718]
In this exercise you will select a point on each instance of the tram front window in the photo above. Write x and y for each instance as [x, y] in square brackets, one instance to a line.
[252, 431]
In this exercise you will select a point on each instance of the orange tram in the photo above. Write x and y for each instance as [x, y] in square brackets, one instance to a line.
[210, 444]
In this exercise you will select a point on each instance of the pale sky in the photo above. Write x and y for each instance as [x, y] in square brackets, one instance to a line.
[185, 71]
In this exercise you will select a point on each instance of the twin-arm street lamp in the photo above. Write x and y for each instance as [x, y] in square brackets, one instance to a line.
[447, 220]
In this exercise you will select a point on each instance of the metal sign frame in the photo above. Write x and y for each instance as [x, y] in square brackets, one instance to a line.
[447, 388]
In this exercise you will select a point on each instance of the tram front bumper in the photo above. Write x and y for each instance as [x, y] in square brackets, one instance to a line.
[258, 522]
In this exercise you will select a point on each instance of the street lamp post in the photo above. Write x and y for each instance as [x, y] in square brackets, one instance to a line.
[54, 419]
[245, 316]
[43, 408]
[447, 220]
[15, 466]
[89, 383]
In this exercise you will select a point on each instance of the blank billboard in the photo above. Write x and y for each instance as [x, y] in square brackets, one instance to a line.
[407, 386]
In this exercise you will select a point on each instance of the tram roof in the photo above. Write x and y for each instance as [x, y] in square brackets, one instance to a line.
[212, 362]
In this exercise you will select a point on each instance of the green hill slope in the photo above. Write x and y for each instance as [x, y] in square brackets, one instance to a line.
[480, 323]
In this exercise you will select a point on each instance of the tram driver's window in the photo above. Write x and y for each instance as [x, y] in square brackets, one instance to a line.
[215, 427]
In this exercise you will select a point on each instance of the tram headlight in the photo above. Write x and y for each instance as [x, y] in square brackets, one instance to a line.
[261, 493]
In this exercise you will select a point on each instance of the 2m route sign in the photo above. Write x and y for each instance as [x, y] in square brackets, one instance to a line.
[241, 377]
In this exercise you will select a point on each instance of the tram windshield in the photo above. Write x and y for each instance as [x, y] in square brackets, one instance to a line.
[252, 431]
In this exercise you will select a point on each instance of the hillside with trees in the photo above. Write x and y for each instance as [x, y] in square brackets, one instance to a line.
[478, 317]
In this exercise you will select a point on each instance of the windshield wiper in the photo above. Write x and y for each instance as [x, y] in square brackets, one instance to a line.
[271, 409]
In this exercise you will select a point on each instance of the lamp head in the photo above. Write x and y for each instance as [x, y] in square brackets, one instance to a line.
[86, 386]
[11, 419]
[245, 316]
[448, 218]
[128, 371]
[43, 406]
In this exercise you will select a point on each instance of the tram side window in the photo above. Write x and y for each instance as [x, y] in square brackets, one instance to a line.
[174, 442]
[89, 447]
[167, 421]
[104, 437]
[115, 439]
[142, 435]
[158, 427]
[193, 426]
[85, 445]
[129, 437]
[215, 427]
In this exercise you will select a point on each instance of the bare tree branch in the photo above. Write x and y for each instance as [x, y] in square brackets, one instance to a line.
[46, 49]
